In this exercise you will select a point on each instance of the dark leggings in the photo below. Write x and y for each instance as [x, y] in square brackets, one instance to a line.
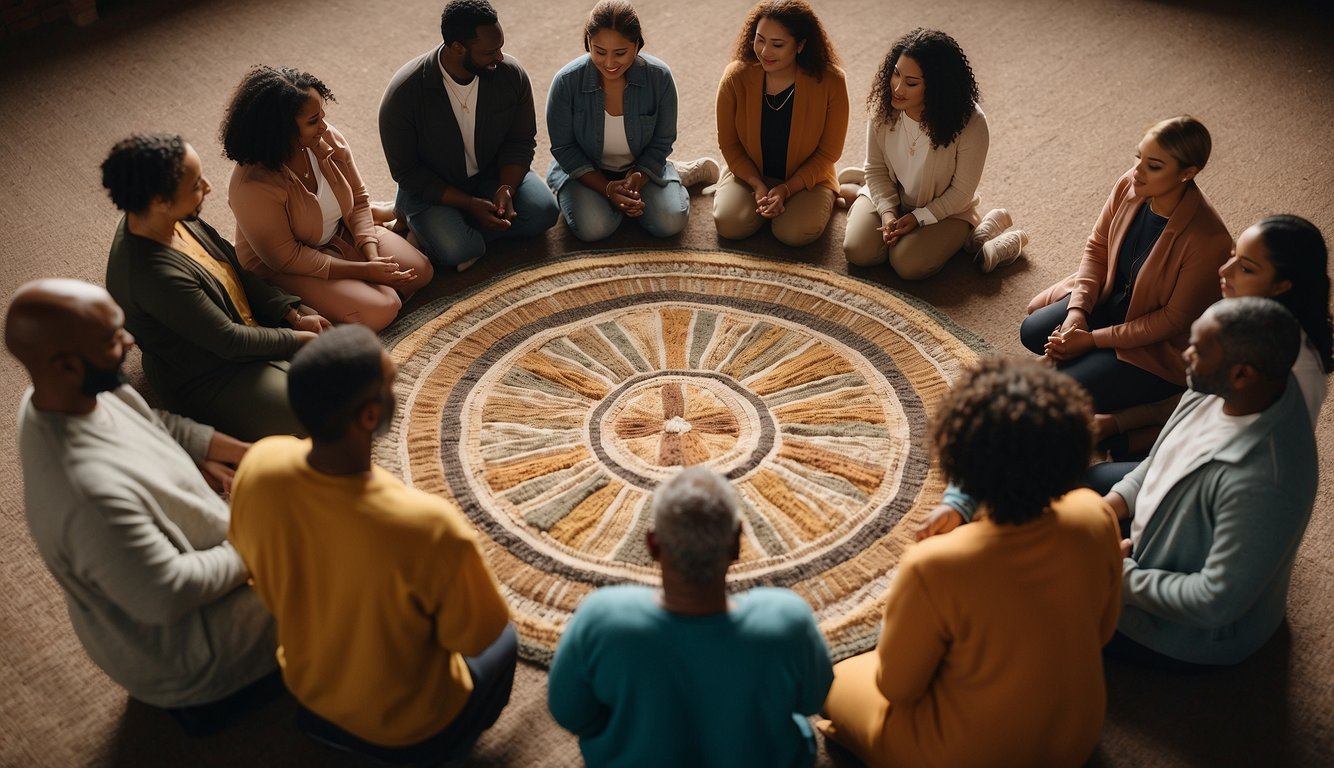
[492, 677]
[1113, 384]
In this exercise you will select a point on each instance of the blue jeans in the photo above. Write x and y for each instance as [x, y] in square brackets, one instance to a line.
[450, 236]
[591, 217]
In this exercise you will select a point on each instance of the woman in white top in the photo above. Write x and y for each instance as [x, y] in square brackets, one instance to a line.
[303, 218]
[926, 144]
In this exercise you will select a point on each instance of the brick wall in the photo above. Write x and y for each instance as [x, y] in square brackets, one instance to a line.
[19, 16]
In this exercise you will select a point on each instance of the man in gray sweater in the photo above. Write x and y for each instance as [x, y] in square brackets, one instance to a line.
[459, 130]
[119, 507]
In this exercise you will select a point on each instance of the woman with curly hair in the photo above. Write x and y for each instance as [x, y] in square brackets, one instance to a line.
[782, 118]
[216, 339]
[303, 218]
[991, 648]
[926, 144]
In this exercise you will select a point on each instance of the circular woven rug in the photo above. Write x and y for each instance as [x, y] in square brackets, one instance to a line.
[550, 402]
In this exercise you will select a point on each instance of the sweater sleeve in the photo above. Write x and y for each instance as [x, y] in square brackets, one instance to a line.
[1247, 551]
[728, 104]
[261, 215]
[819, 165]
[175, 298]
[913, 640]
[129, 558]
[970, 158]
[521, 138]
[358, 220]
[881, 182]
[1195, 288]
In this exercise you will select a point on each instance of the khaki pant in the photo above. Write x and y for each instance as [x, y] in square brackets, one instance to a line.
[919, 254]
[802, 221]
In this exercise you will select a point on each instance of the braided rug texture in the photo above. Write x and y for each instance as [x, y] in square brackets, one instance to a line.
[548, 404]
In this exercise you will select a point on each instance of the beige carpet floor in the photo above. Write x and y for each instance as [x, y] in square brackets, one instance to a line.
[1068, 87]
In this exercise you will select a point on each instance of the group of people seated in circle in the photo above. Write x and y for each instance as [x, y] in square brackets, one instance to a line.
[203, 572]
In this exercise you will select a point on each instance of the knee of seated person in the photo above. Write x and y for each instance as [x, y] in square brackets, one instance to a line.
[664, 223]
[379, 313]
[591, 229]
[735, 226]
[794, 234]
[863, 252]
[536, 215]
[912, 269]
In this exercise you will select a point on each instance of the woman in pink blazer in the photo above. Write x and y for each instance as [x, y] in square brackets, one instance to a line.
[303, 217]
[1120, 323]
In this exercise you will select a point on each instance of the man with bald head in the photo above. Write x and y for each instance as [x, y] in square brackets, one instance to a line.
[690, 674]
[120, 510]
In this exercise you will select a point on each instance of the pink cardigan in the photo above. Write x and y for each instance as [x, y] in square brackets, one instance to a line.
[1178, 281]
[278, 220]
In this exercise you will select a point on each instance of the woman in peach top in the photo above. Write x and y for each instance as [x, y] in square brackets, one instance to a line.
[303, 217]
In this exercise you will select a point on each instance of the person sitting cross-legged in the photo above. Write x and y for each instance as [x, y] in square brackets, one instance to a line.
[688, 675]
[392, 632]
[1219, 507]
[126, 521]
[991, 649]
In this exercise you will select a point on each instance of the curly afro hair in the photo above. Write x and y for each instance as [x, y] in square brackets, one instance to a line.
[143, 168]
[1014, 435]
[951, 90]
[260, 124]
[799, 19]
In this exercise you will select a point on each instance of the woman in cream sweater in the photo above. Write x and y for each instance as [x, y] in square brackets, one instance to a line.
[926, 145]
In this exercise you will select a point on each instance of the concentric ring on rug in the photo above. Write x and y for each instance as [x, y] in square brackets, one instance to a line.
[548, 403]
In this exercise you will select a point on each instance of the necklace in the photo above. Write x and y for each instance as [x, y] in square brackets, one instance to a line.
[769, 99]
[1144, 249]
[912, 145]
[306, 162]
[461, 92]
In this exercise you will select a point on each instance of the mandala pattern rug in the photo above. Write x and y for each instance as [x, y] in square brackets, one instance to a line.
[550, 402]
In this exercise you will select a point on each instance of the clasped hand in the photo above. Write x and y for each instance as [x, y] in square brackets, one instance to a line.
[1070, 339]
[495, 214]
[769, 203]
[892, 228]
[623, 194]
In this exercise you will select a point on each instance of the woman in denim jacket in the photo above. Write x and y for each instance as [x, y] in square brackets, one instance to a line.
[611, 116]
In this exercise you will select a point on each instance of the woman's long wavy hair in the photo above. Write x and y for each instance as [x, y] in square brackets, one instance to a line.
[1299, 255]
[950, 94]
[799, 19]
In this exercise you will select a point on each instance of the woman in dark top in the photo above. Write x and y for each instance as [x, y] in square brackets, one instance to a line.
[215, 338]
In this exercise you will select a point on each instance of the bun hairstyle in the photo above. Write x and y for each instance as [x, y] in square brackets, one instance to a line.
[618, 16]
[1185, 139]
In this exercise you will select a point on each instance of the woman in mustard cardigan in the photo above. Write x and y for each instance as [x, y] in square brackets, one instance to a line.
[303, 217]
[991, 649]
[1150, 268]
[782, 117]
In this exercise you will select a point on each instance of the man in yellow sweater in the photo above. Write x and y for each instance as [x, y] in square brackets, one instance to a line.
[392, 631]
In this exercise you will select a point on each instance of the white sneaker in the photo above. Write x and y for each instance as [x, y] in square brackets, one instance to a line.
[1002, 249]
[995, 222]
[852, 175]
[703, 170]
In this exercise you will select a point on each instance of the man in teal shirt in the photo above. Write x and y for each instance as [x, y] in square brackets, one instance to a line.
[688, 675]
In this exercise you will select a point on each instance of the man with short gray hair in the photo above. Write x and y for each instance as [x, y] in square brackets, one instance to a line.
[688, 675]
[1219, 507]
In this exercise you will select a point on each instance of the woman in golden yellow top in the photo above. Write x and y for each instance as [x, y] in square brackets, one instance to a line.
[991, 651]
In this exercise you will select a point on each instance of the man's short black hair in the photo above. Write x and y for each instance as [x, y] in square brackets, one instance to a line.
[461, 18]
[332, 377]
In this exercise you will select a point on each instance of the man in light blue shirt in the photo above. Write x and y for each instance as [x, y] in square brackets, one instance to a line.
[688, 675]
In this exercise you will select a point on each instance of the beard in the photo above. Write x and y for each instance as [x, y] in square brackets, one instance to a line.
[470, 64]
[1214, 384]
[98, 380]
